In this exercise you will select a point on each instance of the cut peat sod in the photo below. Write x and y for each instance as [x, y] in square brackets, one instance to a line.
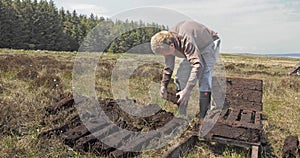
[239, 124]
[83, 137]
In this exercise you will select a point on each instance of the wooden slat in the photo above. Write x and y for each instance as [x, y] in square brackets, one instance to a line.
[224, 112]
[233, 116]
[258, 118]
[234, 142]
[246, 116]
[254, 151]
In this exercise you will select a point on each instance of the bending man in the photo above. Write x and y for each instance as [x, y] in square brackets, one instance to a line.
[198, 46]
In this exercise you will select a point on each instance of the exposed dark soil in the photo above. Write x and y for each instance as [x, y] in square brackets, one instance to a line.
[244, 93]
[76, 135]
[240, 122]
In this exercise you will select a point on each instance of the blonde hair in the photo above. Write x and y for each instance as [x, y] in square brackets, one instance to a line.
[161, 41]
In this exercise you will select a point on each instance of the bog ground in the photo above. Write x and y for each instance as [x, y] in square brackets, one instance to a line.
[33, 81]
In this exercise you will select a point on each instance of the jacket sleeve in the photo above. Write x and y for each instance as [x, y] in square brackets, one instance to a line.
[192, 55]
[194, 59]
[168, 70]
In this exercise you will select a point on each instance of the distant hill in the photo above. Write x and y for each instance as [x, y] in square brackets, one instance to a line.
[293, 55]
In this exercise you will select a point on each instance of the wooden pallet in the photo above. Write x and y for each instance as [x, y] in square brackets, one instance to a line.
[238, 125]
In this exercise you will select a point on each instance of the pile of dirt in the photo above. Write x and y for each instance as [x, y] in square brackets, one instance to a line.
[76, 135]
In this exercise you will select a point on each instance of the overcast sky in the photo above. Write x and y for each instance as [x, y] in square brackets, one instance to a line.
[245, 26]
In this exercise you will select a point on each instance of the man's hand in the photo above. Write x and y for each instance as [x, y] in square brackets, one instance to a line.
[163, 92]
[184, 96]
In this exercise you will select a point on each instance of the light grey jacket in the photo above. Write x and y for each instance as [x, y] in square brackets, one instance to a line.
[190, 39]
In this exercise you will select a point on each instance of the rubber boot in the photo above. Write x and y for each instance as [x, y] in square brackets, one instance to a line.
[205, 98]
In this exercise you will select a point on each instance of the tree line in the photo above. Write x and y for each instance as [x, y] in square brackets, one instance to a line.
[32, 24]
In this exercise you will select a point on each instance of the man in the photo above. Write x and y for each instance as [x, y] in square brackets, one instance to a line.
[194, 43]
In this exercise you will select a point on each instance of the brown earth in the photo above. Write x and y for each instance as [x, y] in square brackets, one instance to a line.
[240, 122]
[76, 135]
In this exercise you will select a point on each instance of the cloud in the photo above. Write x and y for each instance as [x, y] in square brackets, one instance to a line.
[270, 26]
[253, 25]
[82, 7]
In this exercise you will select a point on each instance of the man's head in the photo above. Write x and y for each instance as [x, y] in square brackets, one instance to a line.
[163, 43]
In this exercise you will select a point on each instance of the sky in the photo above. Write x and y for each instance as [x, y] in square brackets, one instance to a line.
[245, 26]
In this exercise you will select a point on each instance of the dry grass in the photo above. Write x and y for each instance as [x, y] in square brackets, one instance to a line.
[30, 81]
